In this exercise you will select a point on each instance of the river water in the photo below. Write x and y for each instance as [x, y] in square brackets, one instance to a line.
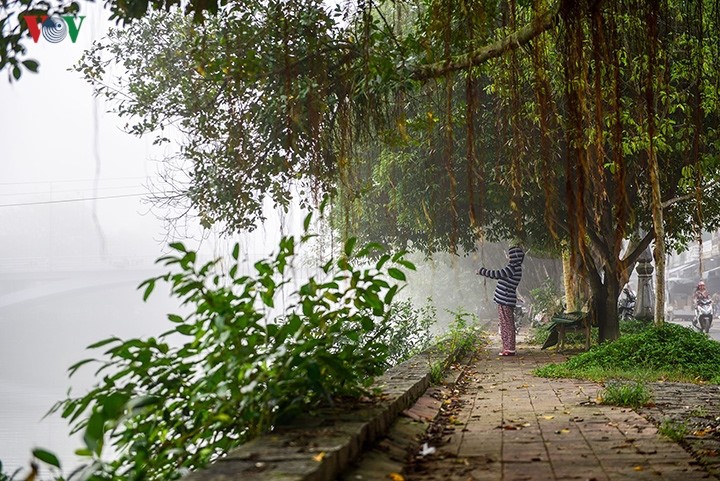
[46, 321]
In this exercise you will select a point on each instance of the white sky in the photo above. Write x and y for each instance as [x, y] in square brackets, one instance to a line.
[47, 138]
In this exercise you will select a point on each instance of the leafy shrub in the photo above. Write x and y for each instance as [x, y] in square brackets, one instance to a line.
[409, 330]
[670, 352]
[632, 395]
[547, 300]
[437, 369]
[633, 326]
[237, 370]
[462, 337]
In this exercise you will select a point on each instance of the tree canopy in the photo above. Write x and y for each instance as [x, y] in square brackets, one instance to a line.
[436, 123]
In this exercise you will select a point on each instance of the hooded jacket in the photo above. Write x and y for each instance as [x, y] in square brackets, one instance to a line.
[508, 277]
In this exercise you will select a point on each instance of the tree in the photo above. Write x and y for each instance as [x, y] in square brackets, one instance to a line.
[570, 121]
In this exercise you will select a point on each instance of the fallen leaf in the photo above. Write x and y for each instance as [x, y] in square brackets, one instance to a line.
[319, 456]
[639, 468]
[549, 416]
[396, 477]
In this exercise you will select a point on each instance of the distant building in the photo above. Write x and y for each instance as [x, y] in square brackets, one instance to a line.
[686, 269]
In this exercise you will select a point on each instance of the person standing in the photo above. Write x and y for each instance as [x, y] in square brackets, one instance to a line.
[506, 296]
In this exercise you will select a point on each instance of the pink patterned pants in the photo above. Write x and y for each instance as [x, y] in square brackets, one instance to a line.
[507, 327]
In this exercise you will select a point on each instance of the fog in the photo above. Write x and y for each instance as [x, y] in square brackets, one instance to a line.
[78, 237]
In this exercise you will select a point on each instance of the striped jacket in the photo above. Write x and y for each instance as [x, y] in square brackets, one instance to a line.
[508, 277]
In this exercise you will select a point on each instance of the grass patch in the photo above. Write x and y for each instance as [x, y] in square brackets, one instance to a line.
[631, 395]
[538, 335]
[670, 352]
[437, 370]
[675, 430]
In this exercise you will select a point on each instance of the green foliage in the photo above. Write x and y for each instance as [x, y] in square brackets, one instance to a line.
[675, 430]
[437, 370]
[233, 366]
[464, 334]
[409, 331]
[699, 411]
[546, 300]
[463, 337]
[576, 339]
[4, 476]
[633, 394]
[633, 326]
[670, 352]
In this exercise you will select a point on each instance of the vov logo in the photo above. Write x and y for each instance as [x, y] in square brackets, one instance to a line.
[55, 28]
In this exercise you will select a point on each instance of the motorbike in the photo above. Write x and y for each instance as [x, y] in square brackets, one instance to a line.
[522, 313]
[703, 315]
[626, 305]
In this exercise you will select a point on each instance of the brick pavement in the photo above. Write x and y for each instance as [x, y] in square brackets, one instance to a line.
[515, 426]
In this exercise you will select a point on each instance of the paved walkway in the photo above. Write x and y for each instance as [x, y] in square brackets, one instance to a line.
[511, 425]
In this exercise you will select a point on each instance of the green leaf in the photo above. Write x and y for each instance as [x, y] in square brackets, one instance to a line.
[381, 262]
[175, 318]
[114, 405]
[16, 72]
[148, 290]
[369, 247]
[406, 264]
[141, 402]
[77, 365]
[306, 222]
[350, 245]
[178, 246]
[396, 274]
[46, 457]
[186, 330]
[391, 294]
[94, 432]
[104, 342]
[31, 65]
[236, 251]
[367, 324]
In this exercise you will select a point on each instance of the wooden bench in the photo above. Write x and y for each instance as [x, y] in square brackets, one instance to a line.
[564, 321]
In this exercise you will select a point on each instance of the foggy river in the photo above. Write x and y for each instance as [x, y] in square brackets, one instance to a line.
[46, 321]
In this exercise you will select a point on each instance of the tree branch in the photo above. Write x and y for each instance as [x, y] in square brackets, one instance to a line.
[681, 198]
[632, 256]
[515, 40]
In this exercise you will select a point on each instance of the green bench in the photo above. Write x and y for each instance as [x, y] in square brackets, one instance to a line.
[564, 321]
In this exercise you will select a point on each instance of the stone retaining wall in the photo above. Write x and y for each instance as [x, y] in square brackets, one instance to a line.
[318, 448]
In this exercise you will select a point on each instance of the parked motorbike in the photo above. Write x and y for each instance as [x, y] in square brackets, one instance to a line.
[703, 315]
[522, 313]
[626, 304]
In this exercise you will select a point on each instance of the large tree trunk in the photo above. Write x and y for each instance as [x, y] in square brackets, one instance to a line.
[612, 321]
[569, 284]
[604, 293]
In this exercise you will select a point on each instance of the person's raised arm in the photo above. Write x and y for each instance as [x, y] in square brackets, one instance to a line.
[503, 273]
